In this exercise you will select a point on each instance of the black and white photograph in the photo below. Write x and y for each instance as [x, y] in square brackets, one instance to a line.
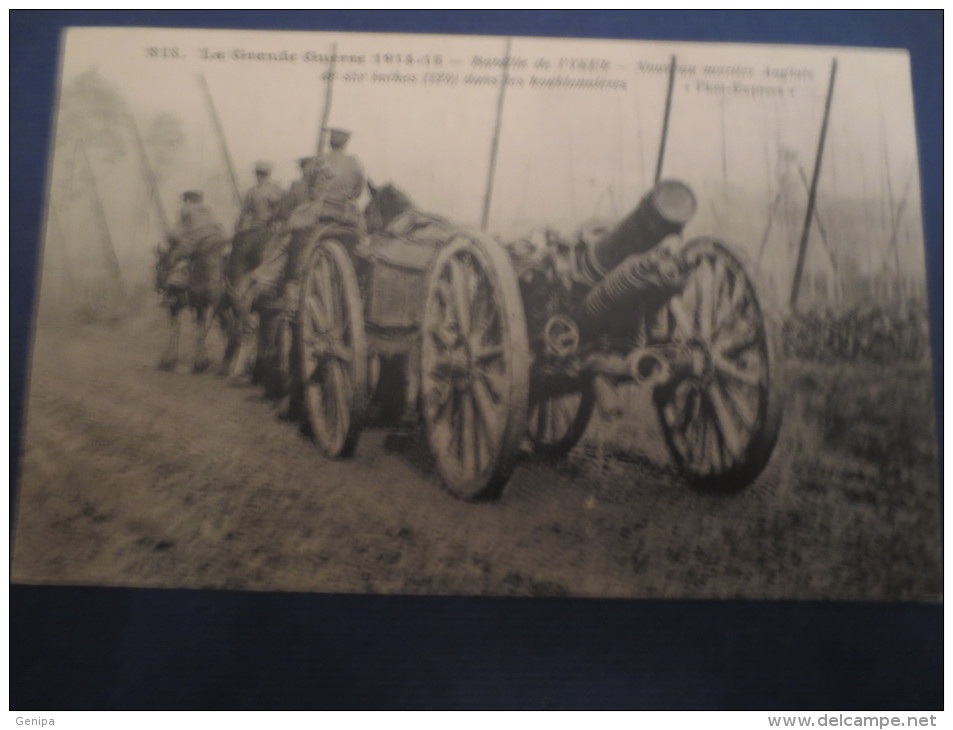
[360, 313]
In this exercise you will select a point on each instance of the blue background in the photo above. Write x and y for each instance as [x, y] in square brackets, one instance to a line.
[93, 648]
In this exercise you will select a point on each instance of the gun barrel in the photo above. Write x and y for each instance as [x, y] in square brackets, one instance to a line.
[664, 210]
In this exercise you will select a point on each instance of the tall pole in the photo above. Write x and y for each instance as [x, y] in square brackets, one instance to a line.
[668, 112]
[494, 148]
[817, 219]
[896, 214]
[328, 92]
[101, 214]
[221, 139]
[150, 176]
[812, 194]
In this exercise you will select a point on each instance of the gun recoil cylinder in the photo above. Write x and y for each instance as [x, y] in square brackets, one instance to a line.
[631, 271]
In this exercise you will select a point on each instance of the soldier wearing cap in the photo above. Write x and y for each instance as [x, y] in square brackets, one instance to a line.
[266, 278]
[336, 180]
[196, 223]
[345, 181]
[260, 208]
[300, 190]
[197, 226]
[261, 201]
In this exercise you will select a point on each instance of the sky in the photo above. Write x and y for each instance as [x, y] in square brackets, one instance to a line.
[580, 129]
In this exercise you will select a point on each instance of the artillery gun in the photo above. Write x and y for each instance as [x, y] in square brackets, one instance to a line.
[499, 346]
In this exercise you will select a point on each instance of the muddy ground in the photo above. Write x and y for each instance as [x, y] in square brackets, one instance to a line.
[136, 477]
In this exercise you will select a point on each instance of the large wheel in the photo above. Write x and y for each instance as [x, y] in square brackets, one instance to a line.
[332, 348]
[474, 367]
[720, 412]
[556, 424]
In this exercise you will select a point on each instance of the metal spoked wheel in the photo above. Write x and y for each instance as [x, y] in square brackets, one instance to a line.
[556, 424]
[332, 349]
[720, 412]
[475, 367]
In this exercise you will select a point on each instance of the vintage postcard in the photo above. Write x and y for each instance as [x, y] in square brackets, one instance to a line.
[423, 314]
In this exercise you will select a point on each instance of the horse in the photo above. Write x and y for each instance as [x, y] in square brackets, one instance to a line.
[248, 251]
[196, 282]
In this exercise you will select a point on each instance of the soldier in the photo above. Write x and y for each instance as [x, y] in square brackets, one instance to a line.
[260, 207]
[336, 182]
[196, 225]
[347, 183]
[300, 190]
[264, 285]
[300, 197]
[261, 201]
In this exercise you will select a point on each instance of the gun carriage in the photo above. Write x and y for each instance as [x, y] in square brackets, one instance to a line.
[503, 347]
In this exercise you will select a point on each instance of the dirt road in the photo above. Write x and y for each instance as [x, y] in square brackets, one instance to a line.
[137, 477]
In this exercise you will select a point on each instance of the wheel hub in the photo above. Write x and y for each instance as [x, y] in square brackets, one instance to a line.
[461, 361]
[701, 366]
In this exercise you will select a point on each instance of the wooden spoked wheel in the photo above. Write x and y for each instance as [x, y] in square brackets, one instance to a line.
[720, 411]
[556, 424]
[332, 349]
[474, 367]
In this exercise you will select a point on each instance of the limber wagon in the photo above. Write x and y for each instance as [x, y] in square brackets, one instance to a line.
[503, 346]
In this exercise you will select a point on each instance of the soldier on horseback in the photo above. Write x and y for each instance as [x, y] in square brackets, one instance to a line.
[266, 276]
[261, 207]
[190, 273]
[261, 202]
[196, 229]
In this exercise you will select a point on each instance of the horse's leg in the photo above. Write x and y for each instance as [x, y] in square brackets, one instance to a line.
[247, 330]
[247, 353]
[232, 327]
[268, 361]
[171, 355]
[226, 317]
[240, 348]
[238, 323]
[203, 320]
